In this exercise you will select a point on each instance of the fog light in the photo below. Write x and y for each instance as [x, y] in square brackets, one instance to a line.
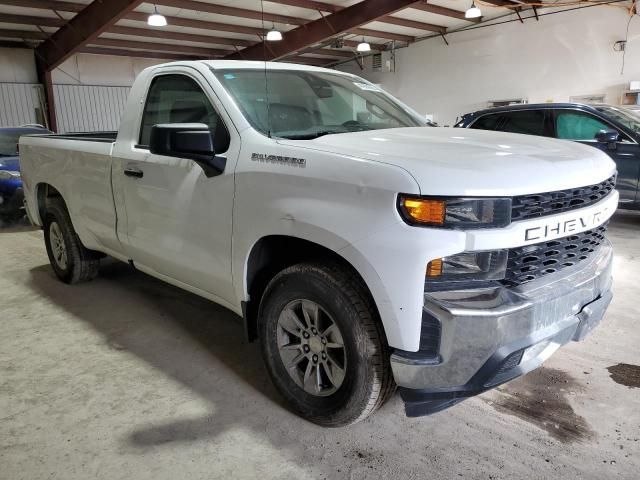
[434, 268]
[466, 266]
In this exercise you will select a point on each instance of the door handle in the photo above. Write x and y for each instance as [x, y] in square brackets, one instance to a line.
[133, 172]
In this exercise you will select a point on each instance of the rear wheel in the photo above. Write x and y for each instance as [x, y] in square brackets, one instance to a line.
[323, 344]
[70, 260]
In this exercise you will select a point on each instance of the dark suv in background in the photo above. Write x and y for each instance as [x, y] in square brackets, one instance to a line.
[615, 130]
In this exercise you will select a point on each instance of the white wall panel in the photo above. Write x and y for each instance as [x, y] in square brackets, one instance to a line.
[84, 108]
[17, 65]
[89, 69]
[20, 103]
[563, 55]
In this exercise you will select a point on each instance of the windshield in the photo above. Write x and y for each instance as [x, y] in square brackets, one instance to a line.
[304, 105]
[627, 118]
[9, 144]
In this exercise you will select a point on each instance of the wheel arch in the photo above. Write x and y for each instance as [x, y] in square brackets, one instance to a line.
[272, 254]
[44, 191]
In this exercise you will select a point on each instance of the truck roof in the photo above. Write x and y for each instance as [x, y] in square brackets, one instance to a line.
[254, 64]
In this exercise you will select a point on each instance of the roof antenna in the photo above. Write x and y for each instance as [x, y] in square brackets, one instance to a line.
[266, 78]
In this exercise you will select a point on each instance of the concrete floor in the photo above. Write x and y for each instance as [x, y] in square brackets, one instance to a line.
[126, 377]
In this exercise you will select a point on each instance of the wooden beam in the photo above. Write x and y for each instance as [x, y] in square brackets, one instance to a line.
[231, 11]
[318, 62]
[330, 52]
[329, 7]
[24, 34]
[51, 104]
[86, 26]
[375, 33]
[324, 28]
[183, 37]
[258, 15]
[160, 47]
[403, 22]
[444, 11]
[221, 27]
[310, 5]
[502, 3]
[45, 5]
[15, 44]
[31, 20]
[135, 54]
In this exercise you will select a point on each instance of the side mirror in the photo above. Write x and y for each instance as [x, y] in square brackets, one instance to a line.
[610, 137]
[187, 140]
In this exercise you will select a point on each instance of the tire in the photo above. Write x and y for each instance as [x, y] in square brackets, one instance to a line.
[356, 379]
[80, 264]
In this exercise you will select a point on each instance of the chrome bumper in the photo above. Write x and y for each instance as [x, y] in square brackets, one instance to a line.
[490, 336]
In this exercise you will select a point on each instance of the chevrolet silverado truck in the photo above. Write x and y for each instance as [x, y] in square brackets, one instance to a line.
[364, 249]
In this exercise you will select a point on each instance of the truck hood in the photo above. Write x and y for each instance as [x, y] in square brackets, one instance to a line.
[456, 161]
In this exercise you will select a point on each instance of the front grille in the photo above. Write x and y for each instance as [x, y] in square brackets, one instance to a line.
[542, 204]
[533, 261]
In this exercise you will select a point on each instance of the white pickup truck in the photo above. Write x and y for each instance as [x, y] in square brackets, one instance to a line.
[363, 248]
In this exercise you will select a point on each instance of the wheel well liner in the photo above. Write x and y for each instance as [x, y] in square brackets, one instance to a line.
[44, 191]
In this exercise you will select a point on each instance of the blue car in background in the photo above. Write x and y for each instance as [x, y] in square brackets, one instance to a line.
[11, 195]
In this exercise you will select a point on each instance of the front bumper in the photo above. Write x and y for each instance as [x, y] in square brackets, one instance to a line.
[490, 336]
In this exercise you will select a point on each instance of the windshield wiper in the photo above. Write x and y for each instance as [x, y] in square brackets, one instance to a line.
[311, 136]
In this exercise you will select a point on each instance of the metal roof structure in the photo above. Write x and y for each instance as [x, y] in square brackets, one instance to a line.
[315, 32]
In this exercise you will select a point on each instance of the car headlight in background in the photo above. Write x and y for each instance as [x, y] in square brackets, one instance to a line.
[9, 175]
[468, 266]
[455, 213]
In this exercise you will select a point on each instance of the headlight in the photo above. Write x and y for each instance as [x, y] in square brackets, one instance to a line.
[9, 175]
[455, 213]
[468, 266]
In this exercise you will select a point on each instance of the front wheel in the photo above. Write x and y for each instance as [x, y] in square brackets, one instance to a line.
[323, 344]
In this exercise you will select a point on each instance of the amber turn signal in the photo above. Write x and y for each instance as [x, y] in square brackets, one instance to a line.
[434, 268]
[426, 211]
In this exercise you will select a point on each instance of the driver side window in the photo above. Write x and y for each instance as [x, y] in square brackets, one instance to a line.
[179, 99]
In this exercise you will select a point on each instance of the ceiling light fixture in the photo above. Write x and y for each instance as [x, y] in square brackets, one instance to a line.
[156, 20]
[363, 46]
[473, 12]
[274, 35]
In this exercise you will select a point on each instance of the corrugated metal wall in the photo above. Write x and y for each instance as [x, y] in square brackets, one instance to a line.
[85, 108]
[20, 103]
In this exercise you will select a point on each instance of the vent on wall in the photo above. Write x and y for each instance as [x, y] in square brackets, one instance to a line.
[376, 62]
[505, 103]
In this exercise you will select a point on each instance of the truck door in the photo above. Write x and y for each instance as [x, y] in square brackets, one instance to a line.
[583, 127]
[178, 220]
